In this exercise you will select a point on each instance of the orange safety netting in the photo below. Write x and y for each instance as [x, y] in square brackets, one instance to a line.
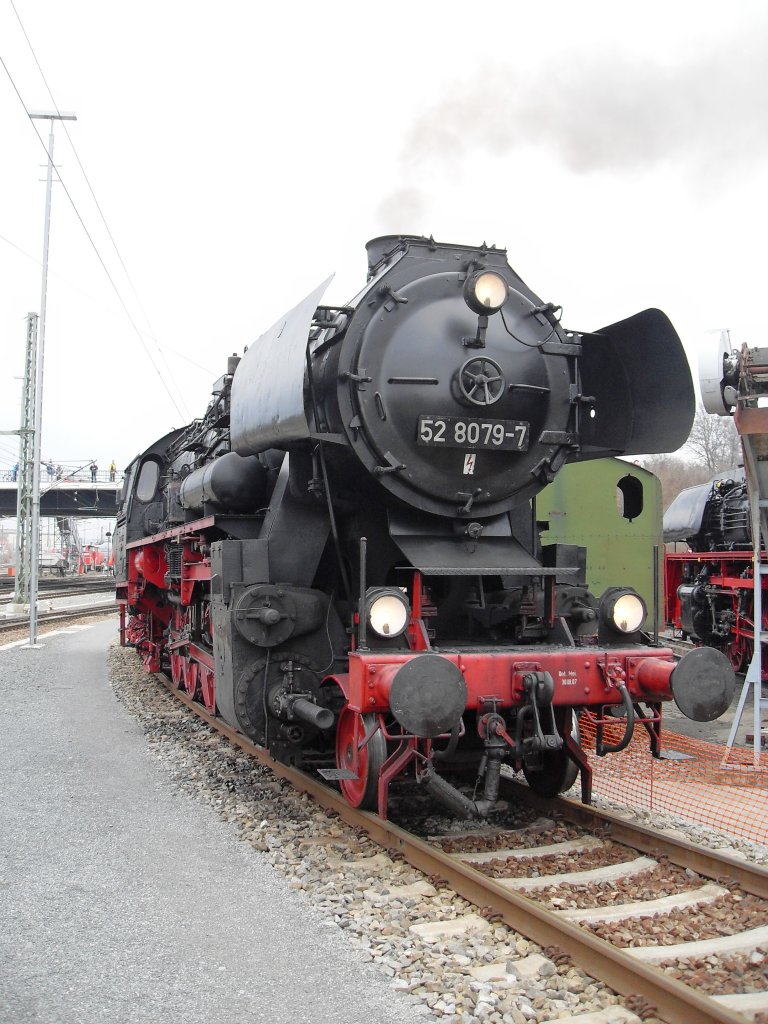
[706, 783]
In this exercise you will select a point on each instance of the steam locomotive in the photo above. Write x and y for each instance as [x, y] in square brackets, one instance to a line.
[709, 589]
[342, 558]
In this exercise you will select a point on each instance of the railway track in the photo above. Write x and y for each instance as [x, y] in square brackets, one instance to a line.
[524, 879]
[10, 628]
[49, 589]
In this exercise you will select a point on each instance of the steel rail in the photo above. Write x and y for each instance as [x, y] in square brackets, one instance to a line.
[55, 586]
[710, 863]
[675, 1002]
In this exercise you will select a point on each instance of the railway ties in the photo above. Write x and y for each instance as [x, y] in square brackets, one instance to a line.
[615, 920]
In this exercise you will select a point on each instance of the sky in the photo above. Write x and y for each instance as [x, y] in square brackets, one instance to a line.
[226, 158]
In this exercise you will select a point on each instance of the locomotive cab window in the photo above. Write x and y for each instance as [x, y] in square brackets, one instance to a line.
[127, 486]
[149, 476]
[629, 497]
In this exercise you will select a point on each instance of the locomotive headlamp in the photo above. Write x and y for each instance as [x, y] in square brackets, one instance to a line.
[623, 610]
[485, 292]
[387, 611]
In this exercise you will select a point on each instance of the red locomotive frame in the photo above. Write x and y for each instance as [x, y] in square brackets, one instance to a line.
[729, 594]
[372, 748]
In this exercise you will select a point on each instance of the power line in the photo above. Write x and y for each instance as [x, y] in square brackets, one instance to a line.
[180, 355]
[98, 206]
[184, 416]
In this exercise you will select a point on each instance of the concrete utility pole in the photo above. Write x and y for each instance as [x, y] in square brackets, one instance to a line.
[51, 116]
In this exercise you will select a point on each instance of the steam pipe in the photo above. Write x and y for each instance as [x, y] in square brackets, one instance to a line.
[362, 626]
[655, 595]
[447, 794]
[455, 801]
[312, 714]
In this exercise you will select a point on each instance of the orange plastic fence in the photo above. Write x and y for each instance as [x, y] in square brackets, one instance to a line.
[710, 785]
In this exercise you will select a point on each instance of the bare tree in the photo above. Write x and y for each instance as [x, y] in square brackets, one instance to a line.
[675, 473]
[713, 446]
[714, 441]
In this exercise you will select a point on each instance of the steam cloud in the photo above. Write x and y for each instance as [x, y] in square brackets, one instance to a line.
[707, 117]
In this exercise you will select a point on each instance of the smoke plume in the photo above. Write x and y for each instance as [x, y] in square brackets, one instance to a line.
[706, 117]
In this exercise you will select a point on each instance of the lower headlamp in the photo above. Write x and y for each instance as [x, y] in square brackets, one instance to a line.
[622, 610]
[387, 611]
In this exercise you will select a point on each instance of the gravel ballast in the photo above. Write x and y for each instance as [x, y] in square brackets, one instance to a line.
[385, 907]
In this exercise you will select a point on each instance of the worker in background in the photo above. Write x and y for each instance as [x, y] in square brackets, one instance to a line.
[15, 472]
[94, 471]
[59, 472]
[112, 471]
[50, 469]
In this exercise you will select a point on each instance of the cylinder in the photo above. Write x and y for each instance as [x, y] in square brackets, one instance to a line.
[229, 483]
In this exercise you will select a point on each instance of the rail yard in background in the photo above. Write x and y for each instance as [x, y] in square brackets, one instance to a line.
[715, 593]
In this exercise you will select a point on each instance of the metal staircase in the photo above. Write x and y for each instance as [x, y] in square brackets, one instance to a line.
[70, 541]
[743, 389]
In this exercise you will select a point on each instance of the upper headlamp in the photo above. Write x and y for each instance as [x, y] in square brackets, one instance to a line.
[622, 610]
[387, 611]
[485, 292]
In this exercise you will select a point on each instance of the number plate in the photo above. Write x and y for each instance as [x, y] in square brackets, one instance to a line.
[462, 432]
